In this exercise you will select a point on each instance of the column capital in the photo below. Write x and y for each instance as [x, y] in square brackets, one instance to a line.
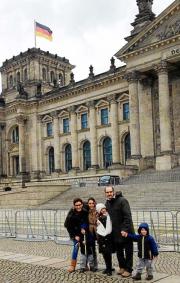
[21, 119]
[133, 76]
[72, 109]
[112, 99]
[54, 114]
[161, 67]
[90, 104]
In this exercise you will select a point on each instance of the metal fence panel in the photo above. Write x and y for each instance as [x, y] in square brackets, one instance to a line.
[32, 224]
[36, 224]
[7, 223]
[161, 226]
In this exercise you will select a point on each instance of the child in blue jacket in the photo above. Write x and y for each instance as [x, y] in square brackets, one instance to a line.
[147, 250]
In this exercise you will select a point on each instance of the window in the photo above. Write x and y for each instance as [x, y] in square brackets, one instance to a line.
[104, 116]
[11, 81]
[61, 82]
[66, 125]
[126, 111]
[84, 122]
[51, 160]
[107, 152]
[86, 155]
[18, 77]
[15, 135]
[25, 75]
[68, 158]
[52, 76]
[44, 74]
[49, 129]
[127, 147]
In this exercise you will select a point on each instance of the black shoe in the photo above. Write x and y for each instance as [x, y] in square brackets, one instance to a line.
[105, 271]
[82, 270]
[93, 269]
[149, 277]
[137, 276]
[109, 273]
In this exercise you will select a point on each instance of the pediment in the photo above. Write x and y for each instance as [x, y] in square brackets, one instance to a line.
[124, 97]
[47, 118]
[63, 113]
[81, 109]
[102, 103]
[165, 27]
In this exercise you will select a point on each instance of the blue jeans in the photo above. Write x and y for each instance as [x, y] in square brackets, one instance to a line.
[75, 249]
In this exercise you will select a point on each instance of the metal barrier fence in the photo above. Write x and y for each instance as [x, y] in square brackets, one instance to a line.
[40, 225]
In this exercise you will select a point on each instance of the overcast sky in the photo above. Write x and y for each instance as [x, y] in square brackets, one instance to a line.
[84, 31]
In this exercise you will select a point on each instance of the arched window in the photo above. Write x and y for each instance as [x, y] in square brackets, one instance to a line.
[15, 135]
[107, 152]
[61, 81]
[51, 160]
[68, 158]
[44, 75]
[127, 147]
[18, 77]
[25, 75]
[86, 155]
[52, 77]
[11, 81]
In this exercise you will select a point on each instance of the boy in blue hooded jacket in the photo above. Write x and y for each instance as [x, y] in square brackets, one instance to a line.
[147, 250]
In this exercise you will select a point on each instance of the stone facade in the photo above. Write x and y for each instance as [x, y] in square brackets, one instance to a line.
[119, 121]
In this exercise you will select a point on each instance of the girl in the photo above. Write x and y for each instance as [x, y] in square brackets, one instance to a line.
[104, 232]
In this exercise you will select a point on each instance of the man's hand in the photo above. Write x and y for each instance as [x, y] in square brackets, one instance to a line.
[124, 234]
[83, 231]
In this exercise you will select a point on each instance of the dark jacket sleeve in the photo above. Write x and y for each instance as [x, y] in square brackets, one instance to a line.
[153, 246]
[68, 224]
[134, 237]
[126, 212]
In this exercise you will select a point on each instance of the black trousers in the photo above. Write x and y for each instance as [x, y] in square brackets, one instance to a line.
[108, 260]
[124, 253]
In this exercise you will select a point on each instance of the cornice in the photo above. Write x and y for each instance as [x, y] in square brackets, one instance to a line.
[153, 46]
[88, 86]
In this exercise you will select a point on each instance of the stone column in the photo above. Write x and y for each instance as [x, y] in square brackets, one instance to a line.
[165, 161]
[74, 138]
[56, 142]
[115, 131]
[22, 158]
[39, 134]
[93, 135]
[134, 115]
[164, 108]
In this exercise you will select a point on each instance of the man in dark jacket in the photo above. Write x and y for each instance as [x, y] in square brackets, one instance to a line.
[76, 224]
[120, 213]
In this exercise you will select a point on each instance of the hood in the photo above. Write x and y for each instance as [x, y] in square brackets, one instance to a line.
[145, 226]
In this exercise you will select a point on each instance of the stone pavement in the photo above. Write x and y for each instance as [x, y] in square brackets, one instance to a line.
[46, 262]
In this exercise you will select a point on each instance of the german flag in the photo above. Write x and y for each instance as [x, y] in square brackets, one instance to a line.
[43, 31]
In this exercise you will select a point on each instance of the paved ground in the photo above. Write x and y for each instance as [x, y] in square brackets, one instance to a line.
[46, 262]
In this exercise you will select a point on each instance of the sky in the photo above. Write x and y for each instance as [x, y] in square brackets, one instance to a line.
[87, 32]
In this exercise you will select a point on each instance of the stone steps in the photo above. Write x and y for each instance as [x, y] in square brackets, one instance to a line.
[142, 196]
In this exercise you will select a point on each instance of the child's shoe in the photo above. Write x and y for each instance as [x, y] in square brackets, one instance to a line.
[149, 277]
[137, 276]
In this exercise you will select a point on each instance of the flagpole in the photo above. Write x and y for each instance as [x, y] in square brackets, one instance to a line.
[35, 33]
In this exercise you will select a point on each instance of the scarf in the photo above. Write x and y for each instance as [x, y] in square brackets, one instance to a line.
[101, 230]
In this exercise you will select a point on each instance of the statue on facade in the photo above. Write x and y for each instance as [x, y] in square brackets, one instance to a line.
[22, 93]
[144, 5]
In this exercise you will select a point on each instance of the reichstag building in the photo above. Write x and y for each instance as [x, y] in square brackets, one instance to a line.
[122, 121]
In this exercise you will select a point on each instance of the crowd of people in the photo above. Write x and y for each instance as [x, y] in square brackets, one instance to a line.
[111, 226]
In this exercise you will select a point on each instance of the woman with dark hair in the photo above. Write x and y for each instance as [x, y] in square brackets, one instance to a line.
[92, 219]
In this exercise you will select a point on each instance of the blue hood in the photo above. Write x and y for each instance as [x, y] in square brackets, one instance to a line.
[145, 226]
